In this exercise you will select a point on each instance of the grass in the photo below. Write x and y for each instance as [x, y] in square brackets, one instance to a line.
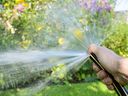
[81, 89]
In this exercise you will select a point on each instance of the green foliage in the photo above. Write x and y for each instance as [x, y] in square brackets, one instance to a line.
[82, 89]
[83, 74]
[15, 16]
[15, 32]
[118, 41]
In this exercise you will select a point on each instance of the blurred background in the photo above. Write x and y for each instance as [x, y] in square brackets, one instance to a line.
[19, 31]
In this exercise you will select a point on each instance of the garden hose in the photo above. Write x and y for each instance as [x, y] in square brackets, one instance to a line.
[120, 90]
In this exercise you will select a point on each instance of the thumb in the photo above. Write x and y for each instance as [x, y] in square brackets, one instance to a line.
[106, 57]
[93, 49]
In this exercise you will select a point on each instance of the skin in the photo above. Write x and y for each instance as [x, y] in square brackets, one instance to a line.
[113, 63]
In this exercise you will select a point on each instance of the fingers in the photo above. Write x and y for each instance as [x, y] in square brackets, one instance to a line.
[110, 87]
[107, 81]
[96, 68]
[101, 74]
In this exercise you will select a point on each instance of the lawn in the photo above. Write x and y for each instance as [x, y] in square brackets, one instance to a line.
[81, 89]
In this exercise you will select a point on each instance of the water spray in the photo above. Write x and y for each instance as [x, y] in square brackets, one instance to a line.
[70, 26]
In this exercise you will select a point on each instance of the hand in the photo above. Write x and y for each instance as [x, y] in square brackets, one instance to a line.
[113, 63]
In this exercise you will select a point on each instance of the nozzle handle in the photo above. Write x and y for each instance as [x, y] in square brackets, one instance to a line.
[120, 90]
